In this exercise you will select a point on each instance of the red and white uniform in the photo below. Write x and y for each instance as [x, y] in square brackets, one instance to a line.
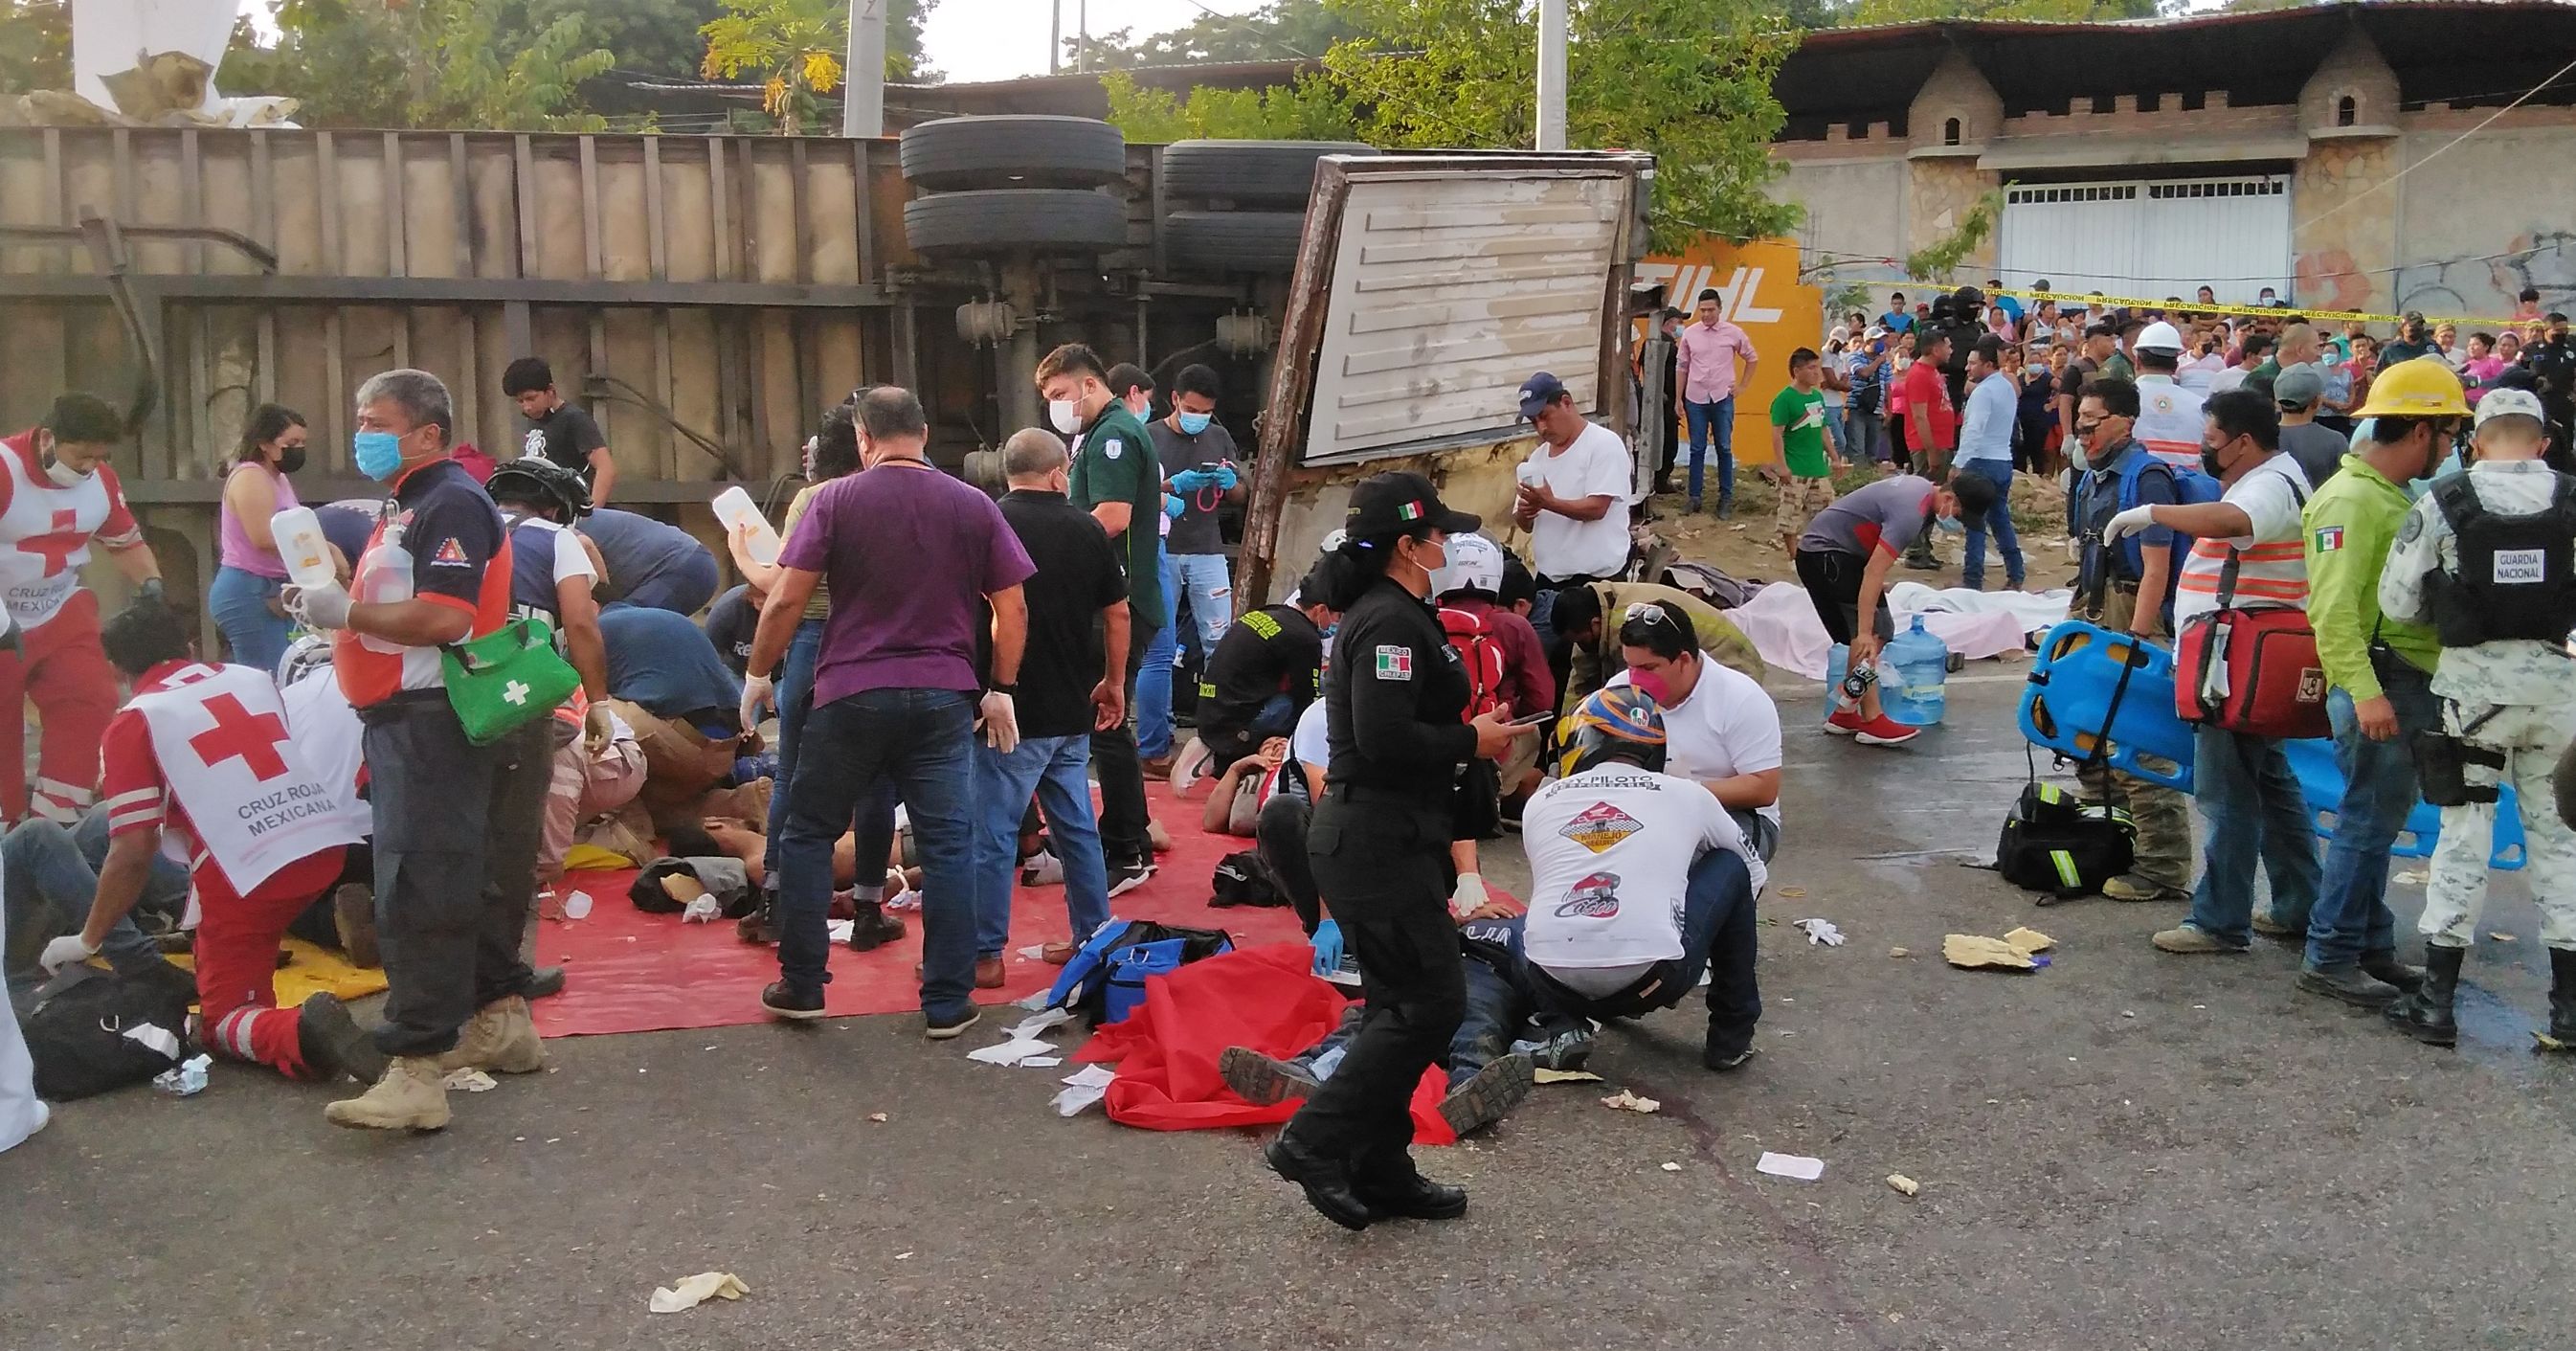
[45, 534]
[211, 744]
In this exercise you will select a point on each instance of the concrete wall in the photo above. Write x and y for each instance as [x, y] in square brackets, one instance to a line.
[2502, 191]
[1856, 204]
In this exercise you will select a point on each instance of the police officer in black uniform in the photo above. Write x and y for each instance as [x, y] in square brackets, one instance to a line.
[1395, 698]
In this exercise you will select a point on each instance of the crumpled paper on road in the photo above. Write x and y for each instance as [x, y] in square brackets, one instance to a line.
[690, 1292]
[2013, 952]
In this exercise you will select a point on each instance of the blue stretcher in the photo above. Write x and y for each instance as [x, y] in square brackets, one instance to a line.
[2067, 706]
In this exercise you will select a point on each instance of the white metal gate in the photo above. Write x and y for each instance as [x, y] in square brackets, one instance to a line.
[2151, 237]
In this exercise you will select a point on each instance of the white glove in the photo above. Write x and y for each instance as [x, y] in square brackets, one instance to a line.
[1469, 897]
[756, 693]
[1000, 721]
[65, 951]
[2129, 522]
[318, 607]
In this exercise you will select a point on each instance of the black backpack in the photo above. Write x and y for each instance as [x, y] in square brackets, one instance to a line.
[2059, 845]
[77, 1032]
[1241, 878]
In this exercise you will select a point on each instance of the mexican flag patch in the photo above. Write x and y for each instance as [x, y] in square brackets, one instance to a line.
[1394, 662]
[2329, 538]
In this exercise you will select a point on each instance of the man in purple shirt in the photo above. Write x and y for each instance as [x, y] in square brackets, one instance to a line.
[1707, 352]
[896, 695]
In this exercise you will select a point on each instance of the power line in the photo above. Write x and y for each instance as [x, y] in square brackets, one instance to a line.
[2482, 125]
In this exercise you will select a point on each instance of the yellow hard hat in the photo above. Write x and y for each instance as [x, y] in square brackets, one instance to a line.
[2423, 387]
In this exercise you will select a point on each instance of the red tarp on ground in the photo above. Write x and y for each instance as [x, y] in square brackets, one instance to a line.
[627, 971]
[1262, 997]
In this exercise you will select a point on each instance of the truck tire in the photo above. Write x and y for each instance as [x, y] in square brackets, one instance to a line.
[1048, 220]
[1233, 241]
[1263, 173]
[961, 153]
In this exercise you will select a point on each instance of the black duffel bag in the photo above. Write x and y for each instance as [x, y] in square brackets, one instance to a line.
[77, 1032]
[2059, 845]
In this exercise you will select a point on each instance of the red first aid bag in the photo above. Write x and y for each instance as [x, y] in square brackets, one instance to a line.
[2251, 671]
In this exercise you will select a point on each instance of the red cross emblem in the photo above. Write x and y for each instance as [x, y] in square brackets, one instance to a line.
[58, 546]
[241, 734]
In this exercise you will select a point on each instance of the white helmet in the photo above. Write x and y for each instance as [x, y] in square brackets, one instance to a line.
[2157, 337]
[1475, 564]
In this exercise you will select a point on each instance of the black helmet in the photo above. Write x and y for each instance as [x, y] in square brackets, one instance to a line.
[536, 478]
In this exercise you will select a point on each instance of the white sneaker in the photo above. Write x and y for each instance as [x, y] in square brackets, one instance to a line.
[1043, 869]
[907, 899]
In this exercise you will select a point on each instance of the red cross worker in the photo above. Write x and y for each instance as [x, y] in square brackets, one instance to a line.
[57, 497]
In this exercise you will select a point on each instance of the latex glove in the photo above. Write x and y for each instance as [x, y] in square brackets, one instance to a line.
[1173, 506]
[1469, 897]
[1000, 721]
[1328, 948]
[756, 692]
[65, 951]
[1193, 480]
[150, 589]
[1226, 478]
[2129, 522]
[319, 607]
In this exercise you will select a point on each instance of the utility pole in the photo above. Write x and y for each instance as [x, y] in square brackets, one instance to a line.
[863, 79]
[1055, 37]
[1551, 74]
[1082, 37]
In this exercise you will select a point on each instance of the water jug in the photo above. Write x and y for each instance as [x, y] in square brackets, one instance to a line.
[735, 509]
[384, 577]
[1911, 672]
[301, 543]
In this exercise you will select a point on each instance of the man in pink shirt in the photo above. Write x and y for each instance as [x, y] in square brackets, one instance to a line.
[1708, 350]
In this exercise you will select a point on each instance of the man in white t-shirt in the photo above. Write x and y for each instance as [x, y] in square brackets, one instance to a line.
[1722, 730]
[1573, 490]
[2247, 795]
[1639, 881]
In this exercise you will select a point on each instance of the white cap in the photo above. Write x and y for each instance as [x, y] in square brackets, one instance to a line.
[2157, 337]
[1475, 564]
[2495, 403]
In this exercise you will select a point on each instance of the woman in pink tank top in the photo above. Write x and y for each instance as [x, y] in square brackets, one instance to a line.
[244, 598]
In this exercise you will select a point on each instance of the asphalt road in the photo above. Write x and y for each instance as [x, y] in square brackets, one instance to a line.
[2125, 1150]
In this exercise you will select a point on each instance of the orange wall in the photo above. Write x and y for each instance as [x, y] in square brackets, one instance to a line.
[1758, 288]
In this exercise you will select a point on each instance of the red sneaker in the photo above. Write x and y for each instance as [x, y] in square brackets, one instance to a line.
[1885, 731]
[1844, 722]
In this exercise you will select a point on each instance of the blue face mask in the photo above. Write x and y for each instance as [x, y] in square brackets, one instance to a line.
[378, 454]
[1950, 525]
[1194, 423]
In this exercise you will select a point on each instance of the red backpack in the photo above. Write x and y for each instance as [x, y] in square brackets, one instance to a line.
[1481, 653]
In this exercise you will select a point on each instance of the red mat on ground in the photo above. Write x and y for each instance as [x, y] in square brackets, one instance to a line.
[627, 971]
[1264, 998]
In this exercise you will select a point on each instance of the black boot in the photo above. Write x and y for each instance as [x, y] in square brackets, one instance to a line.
[872, 928]
[1327, 1182]
[1392, 1188]
[2561, 1035]
[2425, 1014]
[332, 1044]
[2382, 965]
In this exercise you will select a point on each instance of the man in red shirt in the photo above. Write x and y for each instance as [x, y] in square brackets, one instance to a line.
[203, 742]
[1931, 428]
[57, 494]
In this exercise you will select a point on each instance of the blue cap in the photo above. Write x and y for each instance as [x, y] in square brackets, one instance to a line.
[1538, 392]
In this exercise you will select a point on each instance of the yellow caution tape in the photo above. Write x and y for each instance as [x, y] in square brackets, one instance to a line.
[2194, 307]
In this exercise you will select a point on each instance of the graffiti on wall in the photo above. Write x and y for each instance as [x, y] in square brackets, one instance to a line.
[2542, 260]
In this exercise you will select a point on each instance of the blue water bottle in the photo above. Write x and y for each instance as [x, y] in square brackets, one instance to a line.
[1912, 670]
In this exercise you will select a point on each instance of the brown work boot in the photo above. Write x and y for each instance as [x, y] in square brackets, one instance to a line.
[353, 913]
[410, 1097]
[498, 1037]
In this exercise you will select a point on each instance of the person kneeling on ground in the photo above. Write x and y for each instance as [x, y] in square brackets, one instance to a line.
[196, 750]
[1639, 882]
[1244, 789]
[1720, 729]
[1263, 673]
[1843, 561]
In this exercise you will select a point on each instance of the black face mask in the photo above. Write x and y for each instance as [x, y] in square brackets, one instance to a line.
[2209, 463]
[290, 459]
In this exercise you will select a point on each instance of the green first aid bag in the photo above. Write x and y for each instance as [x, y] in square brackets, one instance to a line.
[507, 678]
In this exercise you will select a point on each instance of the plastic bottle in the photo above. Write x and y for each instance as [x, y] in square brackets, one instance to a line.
[735, 509]
[1912, 671]
[384, 577]
[302, 544]
[1837, 662]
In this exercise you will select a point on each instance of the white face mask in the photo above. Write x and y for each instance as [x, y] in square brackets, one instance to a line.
[63, 475]
[1065, 414]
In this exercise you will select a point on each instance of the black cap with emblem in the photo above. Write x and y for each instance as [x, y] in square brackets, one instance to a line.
[1386, 505]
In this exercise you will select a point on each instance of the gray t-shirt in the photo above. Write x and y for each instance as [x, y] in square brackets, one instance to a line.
[2318, 450]
[1194, 531]
[1888, 512]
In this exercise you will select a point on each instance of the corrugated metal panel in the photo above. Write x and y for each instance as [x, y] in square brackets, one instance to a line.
[1449, 290]
[2151, 237]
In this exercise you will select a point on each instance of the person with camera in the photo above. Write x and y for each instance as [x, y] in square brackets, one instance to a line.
[2485, 557]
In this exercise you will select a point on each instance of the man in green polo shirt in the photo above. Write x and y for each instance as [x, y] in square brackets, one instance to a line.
[1118, 480]
[2380, 671]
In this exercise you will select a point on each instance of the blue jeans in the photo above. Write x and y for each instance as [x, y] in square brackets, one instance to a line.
[1154, 675]
[1057, 769]
[874, 826]
[1864, 437]
[51, 875]
[1706, 419]
[239, 602]
[1497, 1006]
[684, 590]
[1998, 518]
[2254, 812]
[920, 741]
[1211, 593]
[1717, 937]
[2352, 915]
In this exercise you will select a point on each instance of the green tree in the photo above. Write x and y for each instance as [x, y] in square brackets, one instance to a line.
[1309, 110]
[1282, 30]
[532, 82]
[2060, 11]
[793, 47]
[1689, 80]
[903, 42]
[468, 64]
[35, 46]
